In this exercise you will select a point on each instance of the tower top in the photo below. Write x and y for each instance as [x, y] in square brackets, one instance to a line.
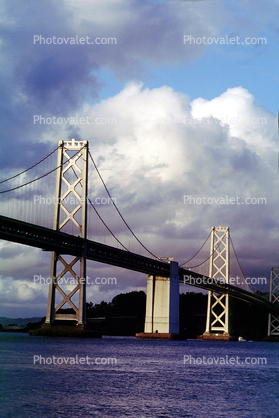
[73, 144]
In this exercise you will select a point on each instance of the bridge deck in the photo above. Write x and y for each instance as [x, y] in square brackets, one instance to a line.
[51, 240]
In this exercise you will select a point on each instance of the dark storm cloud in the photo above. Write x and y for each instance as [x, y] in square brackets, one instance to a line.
[155, 156]
[41, 79]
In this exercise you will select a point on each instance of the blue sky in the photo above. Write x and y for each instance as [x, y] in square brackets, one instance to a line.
[253, 67]
[152, 84]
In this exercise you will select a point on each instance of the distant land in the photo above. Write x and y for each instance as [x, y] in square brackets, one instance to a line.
[18, 321]
[125, 315]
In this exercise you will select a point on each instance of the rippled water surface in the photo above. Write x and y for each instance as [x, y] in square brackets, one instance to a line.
[149, 378]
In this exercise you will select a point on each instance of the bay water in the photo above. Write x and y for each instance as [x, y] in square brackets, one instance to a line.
[129, 377]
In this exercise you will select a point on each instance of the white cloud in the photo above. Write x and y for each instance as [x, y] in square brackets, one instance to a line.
[150, 156]
[21, 261]
[17, 291]
[245, 120]
[164, 147]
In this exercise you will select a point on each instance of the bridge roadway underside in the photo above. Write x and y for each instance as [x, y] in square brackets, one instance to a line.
[51, 240]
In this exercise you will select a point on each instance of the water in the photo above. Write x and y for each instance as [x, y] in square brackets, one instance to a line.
[149, 379]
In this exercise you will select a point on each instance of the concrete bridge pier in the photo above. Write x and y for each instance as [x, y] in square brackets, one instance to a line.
[162, 306]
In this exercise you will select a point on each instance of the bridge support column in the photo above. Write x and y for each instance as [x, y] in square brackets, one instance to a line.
[217, 320]
[162, 306]
[273, 321]
[71, 197]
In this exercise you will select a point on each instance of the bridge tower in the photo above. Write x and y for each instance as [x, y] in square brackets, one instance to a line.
[70, 210]
[162, 306]
[217, 319]
[273, 321]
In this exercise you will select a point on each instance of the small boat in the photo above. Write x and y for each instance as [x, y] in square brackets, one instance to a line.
[241, 339]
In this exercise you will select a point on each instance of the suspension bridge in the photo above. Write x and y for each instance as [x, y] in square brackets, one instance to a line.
[27, 204]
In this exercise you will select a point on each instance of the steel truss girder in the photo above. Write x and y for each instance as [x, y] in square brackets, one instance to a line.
[273, 321]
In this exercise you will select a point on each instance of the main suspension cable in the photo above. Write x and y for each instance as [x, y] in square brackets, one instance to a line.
[101, 219]
[32, 166]
[237, 259]
[211, 255]
[118, 209]
[197, 251]
[107, 226]
[44, 175]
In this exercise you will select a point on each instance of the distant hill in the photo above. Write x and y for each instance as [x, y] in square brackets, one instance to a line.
[18, 321]
[125, 315]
